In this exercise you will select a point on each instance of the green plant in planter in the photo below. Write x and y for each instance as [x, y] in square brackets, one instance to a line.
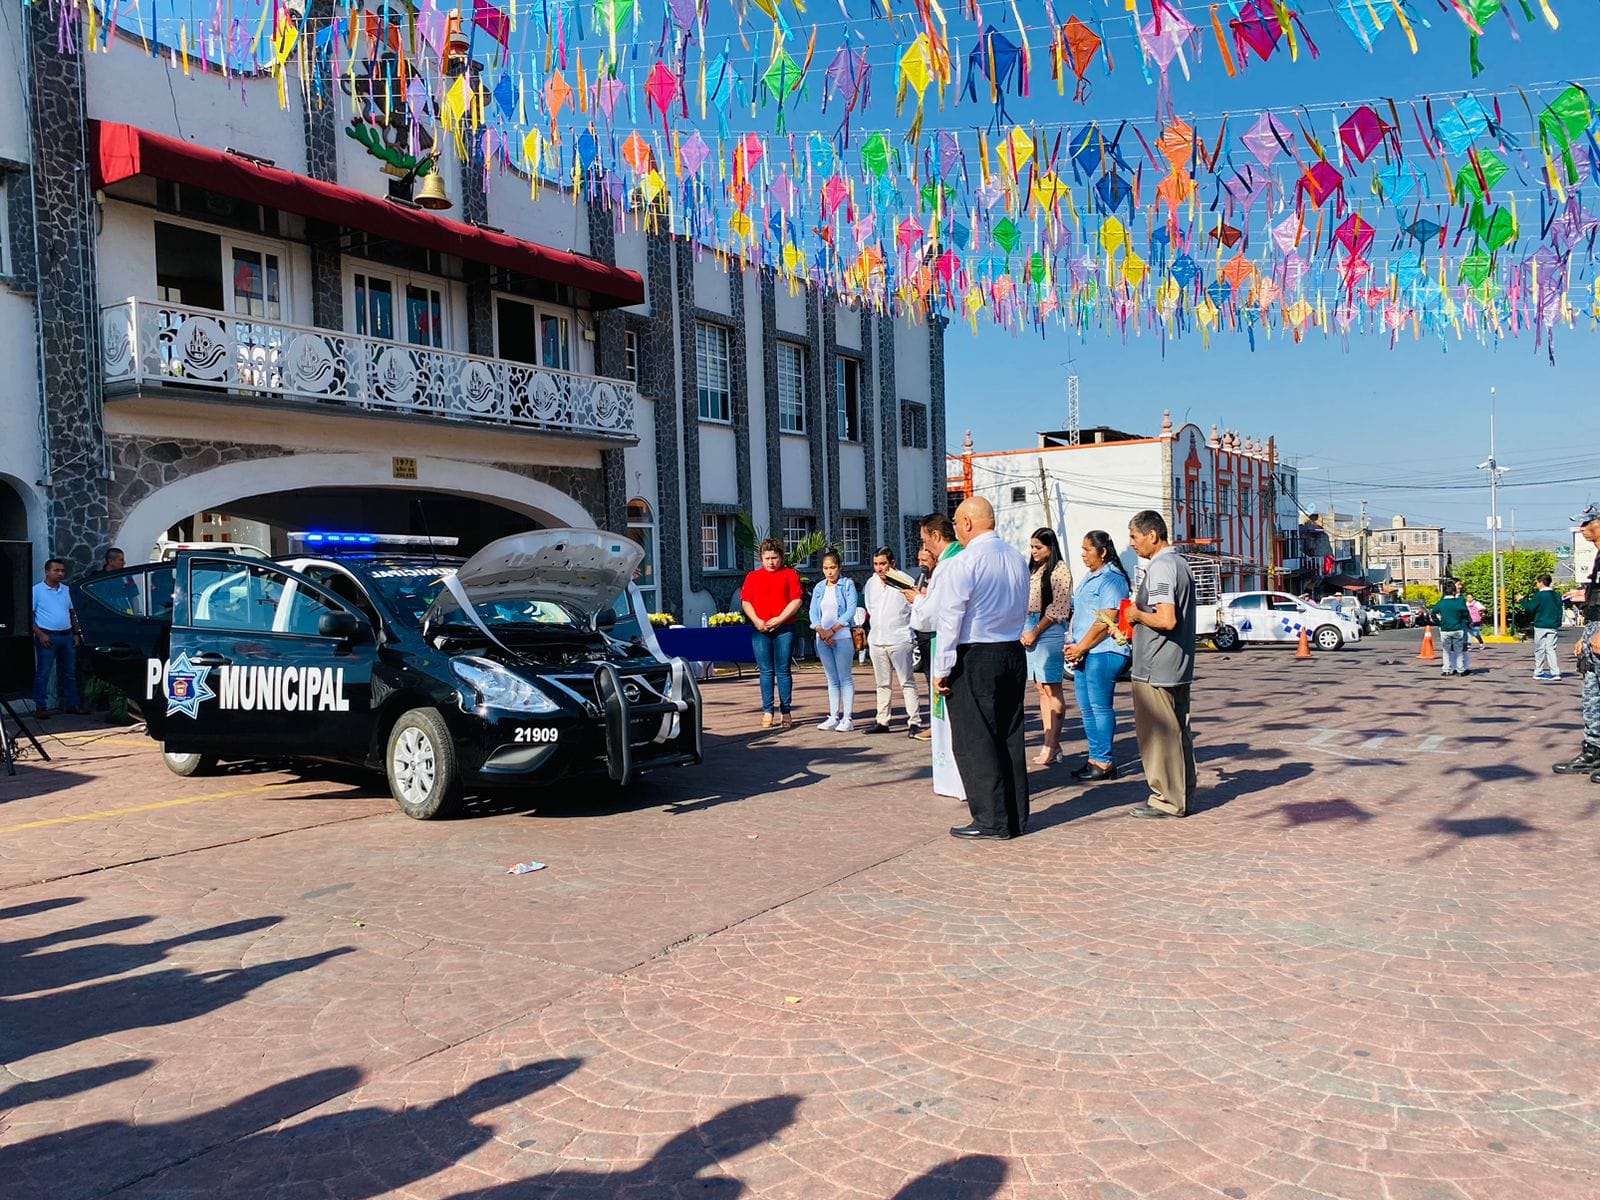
[748, 538]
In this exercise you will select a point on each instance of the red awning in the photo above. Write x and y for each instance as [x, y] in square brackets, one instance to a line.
[121, 152]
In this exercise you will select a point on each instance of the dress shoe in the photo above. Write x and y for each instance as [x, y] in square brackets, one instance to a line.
[1146, 811]
[914, 730]
[876, 727]
[1089, 773]
[975, 833]
[44, 714]
[922, 735]
[78, 710]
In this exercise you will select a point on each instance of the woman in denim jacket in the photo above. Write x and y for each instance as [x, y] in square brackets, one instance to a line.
[1096, 657]
[833, 615]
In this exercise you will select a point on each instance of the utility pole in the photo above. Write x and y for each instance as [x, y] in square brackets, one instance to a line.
[1044, 495]
[1362, 533]
[1492, 465]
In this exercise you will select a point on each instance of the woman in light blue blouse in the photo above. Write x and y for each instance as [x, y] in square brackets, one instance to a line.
[1096, 657]
[833, 615]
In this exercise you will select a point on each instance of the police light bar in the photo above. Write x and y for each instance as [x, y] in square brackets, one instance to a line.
[327, 538]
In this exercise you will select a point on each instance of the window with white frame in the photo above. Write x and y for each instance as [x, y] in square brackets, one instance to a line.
[397, 308]
[855, 540]
[5, 229]
[630, 356]
[795, 531]
[849, 398]
[712, 372]
[791, 388]
[710, 543]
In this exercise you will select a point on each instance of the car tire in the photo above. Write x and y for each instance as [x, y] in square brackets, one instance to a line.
[189, 764]
[1227, 639]
[1327, 638]
[420, 762]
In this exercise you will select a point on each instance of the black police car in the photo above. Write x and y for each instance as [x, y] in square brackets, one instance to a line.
[532, 660]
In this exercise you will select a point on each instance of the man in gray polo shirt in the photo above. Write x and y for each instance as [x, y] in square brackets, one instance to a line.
[1163, 668]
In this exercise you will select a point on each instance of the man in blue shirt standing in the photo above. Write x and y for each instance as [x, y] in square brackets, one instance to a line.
[56, 637]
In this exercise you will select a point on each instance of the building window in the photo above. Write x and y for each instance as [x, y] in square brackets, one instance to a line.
[913, 425]
[855, 541]
[795, 531]
[1224, 498]
[375, 298]
[642, 529]
[710, 543]
[1419, 537]
[1247, 498]
[630, 357]
[1420, 564]
[849, 396]
[791, 388]
[1019, 495]
[711, 370]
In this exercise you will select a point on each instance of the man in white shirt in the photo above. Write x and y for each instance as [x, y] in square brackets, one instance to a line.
[889, 642]
[980, 665]
[55, 639]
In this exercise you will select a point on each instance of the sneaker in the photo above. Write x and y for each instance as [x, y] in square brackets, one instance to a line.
[845, 726]
[876, 727]
[830, 723]
[914, 730]
[923, 735]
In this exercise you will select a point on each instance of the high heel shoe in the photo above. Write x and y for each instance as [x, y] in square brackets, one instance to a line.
[1050, 754]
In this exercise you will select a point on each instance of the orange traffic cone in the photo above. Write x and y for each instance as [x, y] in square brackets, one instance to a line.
[1426, 654]
[1305, 646]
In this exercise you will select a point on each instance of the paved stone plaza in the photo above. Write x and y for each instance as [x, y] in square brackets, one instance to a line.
[1365, 969]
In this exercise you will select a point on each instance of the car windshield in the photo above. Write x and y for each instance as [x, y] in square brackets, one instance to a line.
[409, 590]
[520, 611]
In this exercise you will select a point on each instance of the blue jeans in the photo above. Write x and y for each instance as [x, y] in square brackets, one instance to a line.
[1096, 684]
[837, 661]
[61, 655]
[772, 652]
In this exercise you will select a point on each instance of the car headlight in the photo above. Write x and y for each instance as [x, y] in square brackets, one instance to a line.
[497, 687]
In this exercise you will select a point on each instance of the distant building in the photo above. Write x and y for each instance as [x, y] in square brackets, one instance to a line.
[1415, 554]
[1582, 558]
[1220, 495]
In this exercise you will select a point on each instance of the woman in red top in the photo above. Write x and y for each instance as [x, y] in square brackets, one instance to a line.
[771, 596]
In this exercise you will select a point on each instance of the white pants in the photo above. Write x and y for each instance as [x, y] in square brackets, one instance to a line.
[900, 659]
[1546, 652]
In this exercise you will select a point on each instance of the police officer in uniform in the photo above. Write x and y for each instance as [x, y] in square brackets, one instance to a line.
[1587, 652]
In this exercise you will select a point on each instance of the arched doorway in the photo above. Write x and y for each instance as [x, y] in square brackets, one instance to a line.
[16, 582]
[306, 490]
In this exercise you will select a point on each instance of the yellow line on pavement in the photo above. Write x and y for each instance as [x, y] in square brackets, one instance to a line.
[123, 812]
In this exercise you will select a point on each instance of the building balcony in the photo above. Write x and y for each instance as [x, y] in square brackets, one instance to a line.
[155, 348]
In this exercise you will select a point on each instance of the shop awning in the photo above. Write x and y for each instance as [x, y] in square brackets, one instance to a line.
[120, 152]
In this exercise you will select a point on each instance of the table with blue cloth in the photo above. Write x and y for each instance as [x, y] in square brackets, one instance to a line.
[708, 644]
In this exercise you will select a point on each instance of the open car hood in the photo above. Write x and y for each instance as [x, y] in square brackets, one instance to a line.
[582, 569]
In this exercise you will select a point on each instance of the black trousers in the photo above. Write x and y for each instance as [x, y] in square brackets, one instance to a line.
[988, 690]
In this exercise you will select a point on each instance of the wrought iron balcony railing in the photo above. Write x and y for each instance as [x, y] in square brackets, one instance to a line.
[153, 344]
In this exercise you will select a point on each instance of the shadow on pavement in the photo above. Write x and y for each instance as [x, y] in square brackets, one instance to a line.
[975, 1177]
[22, 970]
[675, 1169]
[38, 906]
[53, 1020]
[70, 1083]
[355, 1154]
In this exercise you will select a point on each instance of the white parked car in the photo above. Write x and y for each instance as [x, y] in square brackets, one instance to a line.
[1249, 617]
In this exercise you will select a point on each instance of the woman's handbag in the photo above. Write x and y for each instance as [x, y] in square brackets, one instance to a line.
[858, 638]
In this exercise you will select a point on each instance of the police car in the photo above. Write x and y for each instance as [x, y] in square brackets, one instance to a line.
[532, 660]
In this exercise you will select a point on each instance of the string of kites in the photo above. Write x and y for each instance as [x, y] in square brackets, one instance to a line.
[1271, 224]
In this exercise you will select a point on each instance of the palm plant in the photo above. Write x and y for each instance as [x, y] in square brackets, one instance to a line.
[748, 538]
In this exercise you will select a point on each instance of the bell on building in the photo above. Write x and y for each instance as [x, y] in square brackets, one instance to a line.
[432, 194]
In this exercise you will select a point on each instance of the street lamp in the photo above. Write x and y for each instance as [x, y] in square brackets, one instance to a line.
[1497, 571]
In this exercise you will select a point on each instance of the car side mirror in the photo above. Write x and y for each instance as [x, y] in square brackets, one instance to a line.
[342, 625]
[605, 619]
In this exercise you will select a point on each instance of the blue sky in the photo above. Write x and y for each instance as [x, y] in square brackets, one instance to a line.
[1400, 428]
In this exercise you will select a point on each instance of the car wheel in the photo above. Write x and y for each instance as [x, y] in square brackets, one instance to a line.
[1328, 638]
[189, 764]
[421, 765]
[1226, 638]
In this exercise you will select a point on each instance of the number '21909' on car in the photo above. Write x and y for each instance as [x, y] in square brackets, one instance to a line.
[427, 668]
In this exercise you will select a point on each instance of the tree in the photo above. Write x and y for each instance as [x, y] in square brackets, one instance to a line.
[1422, 593]
[1522, 570]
